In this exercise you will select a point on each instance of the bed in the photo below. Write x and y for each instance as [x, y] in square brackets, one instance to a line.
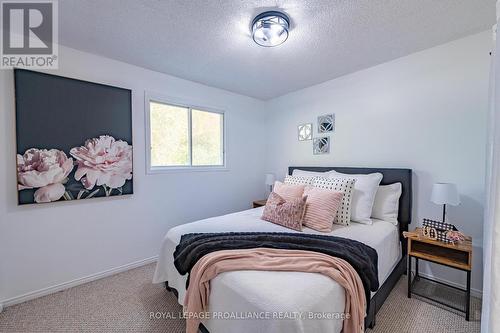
[261, 293]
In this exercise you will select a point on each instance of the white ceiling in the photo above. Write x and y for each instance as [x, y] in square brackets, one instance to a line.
[208, 41]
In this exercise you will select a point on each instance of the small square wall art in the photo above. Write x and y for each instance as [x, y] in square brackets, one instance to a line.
[321, 145]
[305, 132]
[326, 123]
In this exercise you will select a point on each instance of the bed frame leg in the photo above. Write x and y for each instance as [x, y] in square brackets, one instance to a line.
[170, 289]
[372, 324]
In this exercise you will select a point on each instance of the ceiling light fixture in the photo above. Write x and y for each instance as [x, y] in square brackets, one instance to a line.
[270, 28]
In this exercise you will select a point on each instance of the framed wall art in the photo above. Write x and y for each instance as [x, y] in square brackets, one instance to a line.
[73, 138]
[326, 123]
[305, 132]
[321, 145]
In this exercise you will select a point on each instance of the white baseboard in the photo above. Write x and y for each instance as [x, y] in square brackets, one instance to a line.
[474, 292]
[73, 283]
[65, 285]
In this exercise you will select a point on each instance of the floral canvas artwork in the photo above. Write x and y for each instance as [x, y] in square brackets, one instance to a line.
[85, 153]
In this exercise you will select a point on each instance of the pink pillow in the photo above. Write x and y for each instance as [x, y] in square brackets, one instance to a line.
[287, 191]
[321, 208]
[285, 213]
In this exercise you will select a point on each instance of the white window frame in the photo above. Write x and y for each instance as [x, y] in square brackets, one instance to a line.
[152, 97]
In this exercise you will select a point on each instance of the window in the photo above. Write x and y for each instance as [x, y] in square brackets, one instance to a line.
[184, 137]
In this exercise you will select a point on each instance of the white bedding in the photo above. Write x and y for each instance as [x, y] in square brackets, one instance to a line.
[275, 293]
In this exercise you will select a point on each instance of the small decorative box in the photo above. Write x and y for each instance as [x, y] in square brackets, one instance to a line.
[438, 230]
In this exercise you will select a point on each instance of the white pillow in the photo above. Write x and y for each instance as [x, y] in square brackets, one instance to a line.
[304, 173]
[386, 205]
[363, 196]
[298, 180]
[346, 187]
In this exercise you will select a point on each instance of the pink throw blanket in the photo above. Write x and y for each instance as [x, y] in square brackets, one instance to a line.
[266, 259]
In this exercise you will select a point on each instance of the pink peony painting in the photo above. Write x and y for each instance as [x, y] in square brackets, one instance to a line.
[103, 161]
[43, 170]
[74, 139]
[100, 162]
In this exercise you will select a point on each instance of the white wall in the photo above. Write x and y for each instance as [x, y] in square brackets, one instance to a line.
[45, 245]
[426, 111]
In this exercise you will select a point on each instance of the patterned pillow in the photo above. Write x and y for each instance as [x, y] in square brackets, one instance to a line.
[321, 208]
[285, 213]
[288, 191]
[299, 180]
[363, 196]
[339, 184]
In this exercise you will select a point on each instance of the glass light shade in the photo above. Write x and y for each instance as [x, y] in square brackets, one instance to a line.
[445, 194]
[270, 28]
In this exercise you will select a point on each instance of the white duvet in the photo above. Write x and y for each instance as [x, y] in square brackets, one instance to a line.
[264, 301]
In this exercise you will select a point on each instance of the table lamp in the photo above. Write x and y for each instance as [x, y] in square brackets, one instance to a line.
[445, 194]
[270, 181]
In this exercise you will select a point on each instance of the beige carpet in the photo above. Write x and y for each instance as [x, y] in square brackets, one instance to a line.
[123, 302]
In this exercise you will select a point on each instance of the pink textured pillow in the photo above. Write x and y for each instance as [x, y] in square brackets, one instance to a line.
[321, 208]
[285, 213]
[288, 191]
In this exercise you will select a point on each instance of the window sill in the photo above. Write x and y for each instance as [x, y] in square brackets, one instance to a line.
[160, 170]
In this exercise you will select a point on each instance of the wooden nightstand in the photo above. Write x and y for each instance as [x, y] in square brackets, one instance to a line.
[259, 203]
[458, 256]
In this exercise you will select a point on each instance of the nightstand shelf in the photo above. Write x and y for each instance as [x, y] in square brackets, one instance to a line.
[458, 256]
[440, 293]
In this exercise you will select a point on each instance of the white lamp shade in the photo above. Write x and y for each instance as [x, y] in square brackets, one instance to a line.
[270, 179]
[445, 194]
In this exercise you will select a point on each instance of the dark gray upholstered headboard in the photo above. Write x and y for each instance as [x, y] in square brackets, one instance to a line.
[389, 176]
